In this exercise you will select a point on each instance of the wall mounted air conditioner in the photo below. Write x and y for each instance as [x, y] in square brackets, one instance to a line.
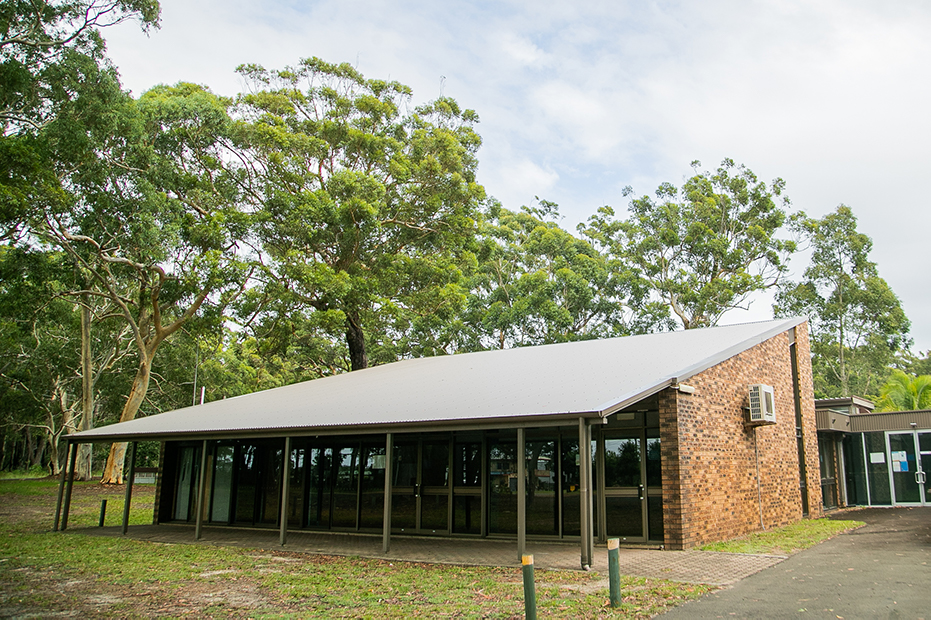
[762, 404]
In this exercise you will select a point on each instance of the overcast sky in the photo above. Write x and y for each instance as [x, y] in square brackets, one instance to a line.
[577, 102]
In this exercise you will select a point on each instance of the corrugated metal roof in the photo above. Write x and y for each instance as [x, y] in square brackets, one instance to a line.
[587, 378]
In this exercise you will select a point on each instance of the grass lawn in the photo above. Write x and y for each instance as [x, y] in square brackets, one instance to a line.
[786, 540]
[43, 573]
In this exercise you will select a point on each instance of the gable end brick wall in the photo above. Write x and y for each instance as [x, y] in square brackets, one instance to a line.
[709, 457]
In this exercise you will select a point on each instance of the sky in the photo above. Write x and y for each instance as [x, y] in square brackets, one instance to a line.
[578, 101]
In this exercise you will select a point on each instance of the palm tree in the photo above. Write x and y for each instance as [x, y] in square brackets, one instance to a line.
[904, 392]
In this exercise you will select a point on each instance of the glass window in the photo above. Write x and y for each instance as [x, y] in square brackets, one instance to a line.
[435, 463]
[320, 486]
[624, 516]
[542, 508]
[222, 484]
[372, 510]
[344, 493]
[654, 463]
[467, 464]
[502, 492]
[246, 480]
[855, 470]
[467, 514]
[622, 462]
[878, 472]
[571, 492]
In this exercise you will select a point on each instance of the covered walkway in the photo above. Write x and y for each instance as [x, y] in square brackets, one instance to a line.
[687, 566]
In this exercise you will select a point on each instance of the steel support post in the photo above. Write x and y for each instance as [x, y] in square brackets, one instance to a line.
[201, 489]
[585, 493]
[521, 493]
[61, 486]
[386, 521]
[285, 491]
[129, 485]
[69, 484]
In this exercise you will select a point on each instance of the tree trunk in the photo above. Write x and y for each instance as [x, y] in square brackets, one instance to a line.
[842, 363]
[83, 464]
[113, 472]
[355, 339]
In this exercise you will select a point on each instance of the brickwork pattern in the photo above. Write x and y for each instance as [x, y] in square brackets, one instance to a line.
[723, 479]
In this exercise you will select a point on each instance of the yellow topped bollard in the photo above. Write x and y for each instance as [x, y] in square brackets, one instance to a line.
[614, 571]
[530, 590]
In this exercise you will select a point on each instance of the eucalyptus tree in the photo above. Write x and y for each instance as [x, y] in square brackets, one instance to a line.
[52, 52]
[365, 200]
[155, 222]
[52, 57]
[857, 322]
[536, 283]
[704, 248]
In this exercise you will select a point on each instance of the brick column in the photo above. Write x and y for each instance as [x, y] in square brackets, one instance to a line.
[673, 522]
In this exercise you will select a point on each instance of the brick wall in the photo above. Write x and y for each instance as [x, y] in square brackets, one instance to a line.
[711, 486]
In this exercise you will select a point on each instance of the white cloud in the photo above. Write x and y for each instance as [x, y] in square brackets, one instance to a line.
[578, 100]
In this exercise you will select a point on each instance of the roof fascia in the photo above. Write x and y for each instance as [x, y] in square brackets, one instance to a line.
[526, 422]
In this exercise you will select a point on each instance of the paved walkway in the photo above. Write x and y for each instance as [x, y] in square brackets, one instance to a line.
[882, 570]
[688, 566]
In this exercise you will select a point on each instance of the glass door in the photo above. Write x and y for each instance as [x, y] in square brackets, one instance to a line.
[420, 487]
[907, 476]
[633, 492]
[924, 463]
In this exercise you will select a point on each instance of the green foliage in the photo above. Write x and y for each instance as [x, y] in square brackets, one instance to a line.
[535, 283]
[364, 207]
[904, 392]
[51, 52]
[857, 323]
[704, 248]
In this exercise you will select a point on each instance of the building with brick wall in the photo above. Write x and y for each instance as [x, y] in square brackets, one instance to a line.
[645, 438]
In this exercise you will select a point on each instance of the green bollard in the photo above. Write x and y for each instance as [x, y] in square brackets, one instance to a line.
[103, 511]
[530, 591]
[614, 571]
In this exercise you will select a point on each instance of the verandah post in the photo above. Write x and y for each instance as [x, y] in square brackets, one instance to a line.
[61, 487]
[521, 493]
[386, 525]
[70, 484]
[285, 491]
[129, 485]
[585, 497]
[201, 484]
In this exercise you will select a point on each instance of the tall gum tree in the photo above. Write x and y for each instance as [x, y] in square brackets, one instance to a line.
[704, 248]
[363, 200]
[536, 283]
[50, 51]
[156, 222]
[857, 322]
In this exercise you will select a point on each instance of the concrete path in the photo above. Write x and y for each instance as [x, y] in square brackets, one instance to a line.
[882, 570]
[688, 566]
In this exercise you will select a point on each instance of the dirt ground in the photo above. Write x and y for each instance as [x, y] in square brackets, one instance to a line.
[66, 596]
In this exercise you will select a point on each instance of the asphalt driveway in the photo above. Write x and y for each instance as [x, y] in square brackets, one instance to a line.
[882, 570]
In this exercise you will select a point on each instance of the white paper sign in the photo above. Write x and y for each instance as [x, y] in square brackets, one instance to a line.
[877, 457]
[899, 455]
[896, 466]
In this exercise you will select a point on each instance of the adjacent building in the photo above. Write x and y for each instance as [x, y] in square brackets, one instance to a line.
[872, 458]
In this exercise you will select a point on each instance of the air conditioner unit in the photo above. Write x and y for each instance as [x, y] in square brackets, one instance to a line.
[762, 404]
